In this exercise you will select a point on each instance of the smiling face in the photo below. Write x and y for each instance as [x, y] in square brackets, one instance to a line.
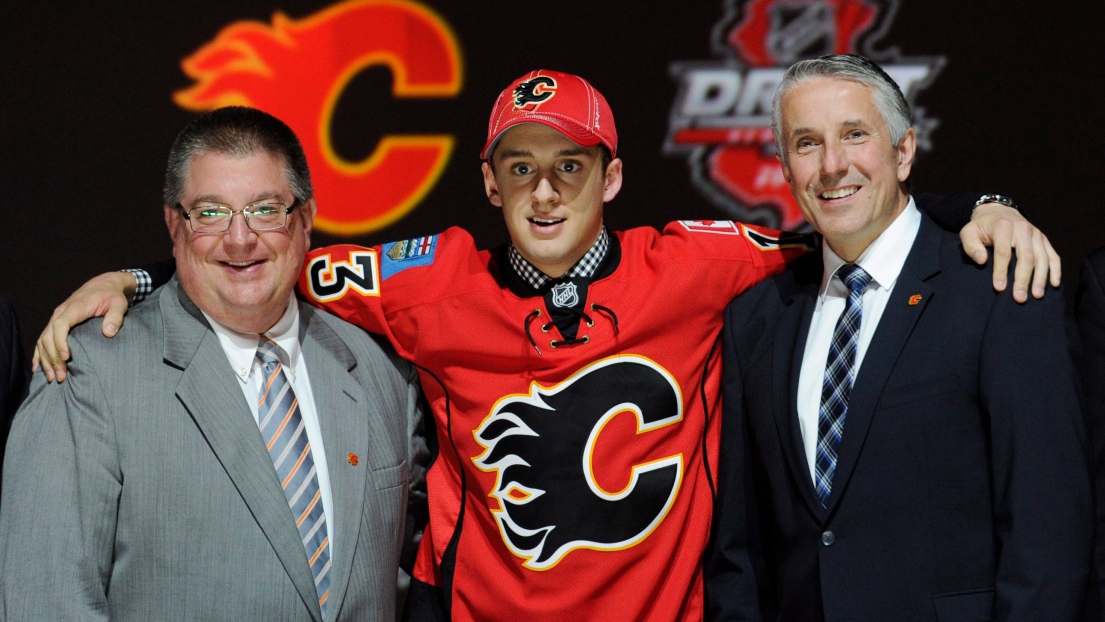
[242, 278]
[551, 191]
[840, 164]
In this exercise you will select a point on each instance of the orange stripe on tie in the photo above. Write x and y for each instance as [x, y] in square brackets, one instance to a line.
[268, 384]
[295, 469]
[282, 424]
[325, 595]
[318, 495]
[319, 552]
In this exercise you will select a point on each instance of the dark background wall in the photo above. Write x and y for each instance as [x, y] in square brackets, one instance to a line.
[87, 116]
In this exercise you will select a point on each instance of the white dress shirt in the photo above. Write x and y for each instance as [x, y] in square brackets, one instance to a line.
[883, 260]
[241, 351]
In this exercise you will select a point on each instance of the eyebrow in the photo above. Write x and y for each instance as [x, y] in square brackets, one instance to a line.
[809, 130]
[257, 197]
[525, 153]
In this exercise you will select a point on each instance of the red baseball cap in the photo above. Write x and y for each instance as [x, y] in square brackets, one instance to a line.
[566, 103]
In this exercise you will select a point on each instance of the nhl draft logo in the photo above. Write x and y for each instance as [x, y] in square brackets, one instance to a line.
[534, 92]
[721, 118]
[565, 295]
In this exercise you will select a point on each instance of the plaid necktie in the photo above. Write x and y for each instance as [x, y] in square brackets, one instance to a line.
[839, 376]
[286, 439]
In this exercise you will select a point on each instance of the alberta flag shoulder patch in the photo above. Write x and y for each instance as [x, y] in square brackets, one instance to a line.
[399, 256]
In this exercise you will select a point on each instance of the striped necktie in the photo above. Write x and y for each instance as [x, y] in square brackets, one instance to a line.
[286, 439]
[839, 377]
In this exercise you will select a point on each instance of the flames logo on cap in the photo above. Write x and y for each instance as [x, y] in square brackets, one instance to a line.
[721, 119]
[534, 92]
[297, 71]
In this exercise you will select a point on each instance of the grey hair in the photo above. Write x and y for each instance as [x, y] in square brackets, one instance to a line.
[238, 132]
[886, 95]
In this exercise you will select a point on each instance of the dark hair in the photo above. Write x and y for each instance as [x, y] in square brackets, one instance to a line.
[239, 132]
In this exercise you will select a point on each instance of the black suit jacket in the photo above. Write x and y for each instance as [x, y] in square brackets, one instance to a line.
[1090, 311]
[961, 490]
[15, 374]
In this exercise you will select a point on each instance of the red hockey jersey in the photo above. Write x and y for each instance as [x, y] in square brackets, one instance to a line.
[572, 481]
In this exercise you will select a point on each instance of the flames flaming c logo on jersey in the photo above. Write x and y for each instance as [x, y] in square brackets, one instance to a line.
[721, 118]
[551, 484]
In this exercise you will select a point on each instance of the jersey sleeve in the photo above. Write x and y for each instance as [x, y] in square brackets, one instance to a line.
[382, 288]
[739, 255]
[345, 280]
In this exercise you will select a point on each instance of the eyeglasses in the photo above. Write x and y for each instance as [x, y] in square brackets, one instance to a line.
[215, 218]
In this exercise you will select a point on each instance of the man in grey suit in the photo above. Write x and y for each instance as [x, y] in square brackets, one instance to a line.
[234, 454]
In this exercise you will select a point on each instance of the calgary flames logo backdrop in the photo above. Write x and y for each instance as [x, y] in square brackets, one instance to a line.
[297, 71]
[721, 120]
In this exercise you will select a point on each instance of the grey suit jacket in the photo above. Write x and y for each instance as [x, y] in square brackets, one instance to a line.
[140, 488]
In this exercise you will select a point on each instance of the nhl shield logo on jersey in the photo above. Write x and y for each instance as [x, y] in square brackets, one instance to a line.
[553, 481]
[565, 295]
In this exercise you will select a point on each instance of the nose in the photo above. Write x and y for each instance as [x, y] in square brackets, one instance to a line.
[545, 193]
[239, 232]
[835, 163]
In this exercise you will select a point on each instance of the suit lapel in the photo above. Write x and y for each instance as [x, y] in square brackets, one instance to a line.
[209, 391]
[788, 348]
[898, 319]
[343, 407]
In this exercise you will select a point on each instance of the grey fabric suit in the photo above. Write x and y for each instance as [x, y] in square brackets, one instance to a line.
[140, 488]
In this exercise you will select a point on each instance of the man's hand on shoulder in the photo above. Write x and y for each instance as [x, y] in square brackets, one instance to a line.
[1006, 229]
[107, 295]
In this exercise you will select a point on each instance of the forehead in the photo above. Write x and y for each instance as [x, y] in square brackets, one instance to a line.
[820, 102]
[536, 139]
[226, 177]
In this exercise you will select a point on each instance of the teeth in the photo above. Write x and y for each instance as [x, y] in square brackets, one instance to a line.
[839, 193]
[241, 264]
[545, 221]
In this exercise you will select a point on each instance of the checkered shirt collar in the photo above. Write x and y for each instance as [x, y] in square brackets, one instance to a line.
[585, 267]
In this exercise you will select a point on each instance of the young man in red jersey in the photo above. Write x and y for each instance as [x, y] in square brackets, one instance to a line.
[573, 373]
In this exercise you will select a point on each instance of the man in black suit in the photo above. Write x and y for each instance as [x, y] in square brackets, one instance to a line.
[14, 371]
[899, 441]
[1090, 311]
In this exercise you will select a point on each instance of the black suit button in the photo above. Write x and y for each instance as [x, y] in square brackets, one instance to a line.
[827, 538]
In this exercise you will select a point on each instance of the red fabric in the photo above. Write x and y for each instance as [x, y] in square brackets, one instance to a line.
[467, 331]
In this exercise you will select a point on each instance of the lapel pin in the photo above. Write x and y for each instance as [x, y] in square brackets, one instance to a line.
[914, 300]
[353, 459]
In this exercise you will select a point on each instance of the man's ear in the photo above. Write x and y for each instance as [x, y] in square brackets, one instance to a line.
[907, 148]
[786, 171]
[612, 181]
[490, 186]
[173, 219]
[307, 214]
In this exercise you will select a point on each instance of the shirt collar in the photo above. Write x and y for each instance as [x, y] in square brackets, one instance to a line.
[586, 267]
[882, 259]
[241, 348]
